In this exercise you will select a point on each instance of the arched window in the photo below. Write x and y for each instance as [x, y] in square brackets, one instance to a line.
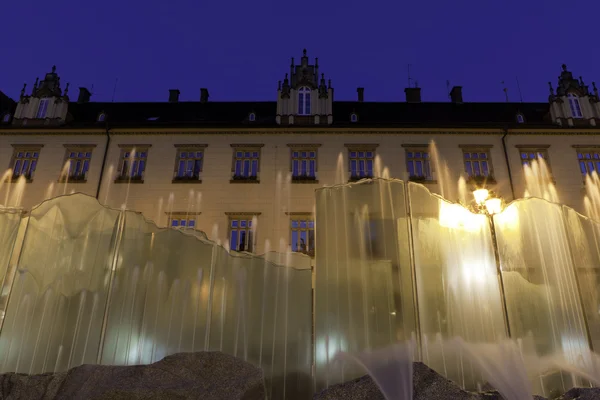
[42, 108]
[353, 118]
[6, 118]
[304, 101]
[575, 106]
[252, 117]
[101, 117]
[520, 118]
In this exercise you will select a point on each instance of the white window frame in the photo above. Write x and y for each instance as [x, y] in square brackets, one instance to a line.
[588, 159]
[353, 117]
[301, 159]
[479, 163]
[304, 104]
[520, 118]
[527, 154]
[246, 162]
[181, 220]
[361, 152]
[124, 173]
[575, 105]
[25, 159]
[297, 220]
[418, 155]
[42, 108]
[78, 154]
[248, 229]
[193, 171]
[252, 117]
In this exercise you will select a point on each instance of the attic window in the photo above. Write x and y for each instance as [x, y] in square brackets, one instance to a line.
[520, 118]
[575, 106]
[6, 118]
[153, 118]
[252, 117]
[101, 117]
[353, 117]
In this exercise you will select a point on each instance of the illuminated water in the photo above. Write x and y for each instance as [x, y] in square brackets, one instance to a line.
[401, 274]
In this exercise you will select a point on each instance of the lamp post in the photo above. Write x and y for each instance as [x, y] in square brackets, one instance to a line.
[490, 205]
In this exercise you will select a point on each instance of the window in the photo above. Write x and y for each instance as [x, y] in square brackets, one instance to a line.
[304, 101]
[182, 220]
[304, 164]
[520, 118]
[589, 161]
[574, 105]
[6, 118]
[189, 162]
[303, 234]
[353, 118]
[133, 164]
[25, 161]
[242, 231]
[42, 108]
[418, 163]
[79, 163]
[246, 163]
[529, 154]
[101, 117]
[477, 163]
[360, 161]
[252, 117]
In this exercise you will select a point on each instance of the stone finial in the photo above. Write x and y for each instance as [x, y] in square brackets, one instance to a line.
[581, 81]
[551, 88]
[329, 84]
[595, 88]
[292, 61]
[316, 61]
[564, 67]
[67, 89]
[23, 90]
[278, 85]
[54, 69]
[304, 53]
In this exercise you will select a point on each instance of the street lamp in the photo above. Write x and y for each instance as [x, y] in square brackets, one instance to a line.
[490, 205]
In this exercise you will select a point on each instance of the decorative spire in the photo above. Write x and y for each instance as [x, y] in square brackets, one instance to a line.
[278, 85]
[564, 67]
[595, 88]
[581, 81]
[54, 69]
[304, 53]
[329, 84]
[551, 88]
[35, 85]
[316, 62]
[67, 89]
[23, 90]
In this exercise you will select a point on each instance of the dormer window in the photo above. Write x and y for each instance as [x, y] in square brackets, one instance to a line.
[575, 106]
[353, 117]
[101, 117]
[252, 117]
[304, 101]
[6, 118]
[520, 118]
[42, 108]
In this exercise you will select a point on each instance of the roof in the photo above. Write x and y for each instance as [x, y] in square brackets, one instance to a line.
[369, 114]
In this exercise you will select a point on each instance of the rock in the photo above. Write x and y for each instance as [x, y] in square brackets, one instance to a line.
[427, 385]
[581, 394]
[207, 375]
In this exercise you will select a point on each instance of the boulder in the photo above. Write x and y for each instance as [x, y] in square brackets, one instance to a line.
[205, 375]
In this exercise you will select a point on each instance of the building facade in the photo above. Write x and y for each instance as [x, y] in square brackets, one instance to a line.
[245, 172]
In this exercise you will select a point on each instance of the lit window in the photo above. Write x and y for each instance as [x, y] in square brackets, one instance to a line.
[477, 163]
[24, 162]
[252, 117]
[418, 163]
[520, 118]
[101, 117]
[188, 165]
[133, 164]
[6, 118]
[153, 118]
[241, 234]
[353, 118]
[589, 161]
[246, 163]
[575, 106]
[530, 154]
[303, 234]
[182, 221]
[304, 101]
[304, 164]
[79, 163]
[42, 108]
[360, 163]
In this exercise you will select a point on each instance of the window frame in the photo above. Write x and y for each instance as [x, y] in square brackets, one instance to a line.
[183, 215]
[574, 106]
[128, 148]
[587, 149]
[77, 148]
[244, 148]
[25, 148]
[353, 117]
[537, 150]
[250, 229]
[6, 118]
[252, 117]
[300, 148]
[309, 218]
[195, 148]
[419, 148]
[478, 178]
[520, 118]
[360, 148]
[304, 101]
[43, 105]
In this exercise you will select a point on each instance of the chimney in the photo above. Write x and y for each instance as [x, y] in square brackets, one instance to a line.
[174, 95]
[413, 95]
[361, 94]
[203, 95]
[456, 94]
[84, 95]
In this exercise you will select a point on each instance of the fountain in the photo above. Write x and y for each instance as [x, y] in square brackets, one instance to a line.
[401, 275]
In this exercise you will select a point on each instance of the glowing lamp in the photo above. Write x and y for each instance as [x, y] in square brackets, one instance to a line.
[481, 196]
[493, 205]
